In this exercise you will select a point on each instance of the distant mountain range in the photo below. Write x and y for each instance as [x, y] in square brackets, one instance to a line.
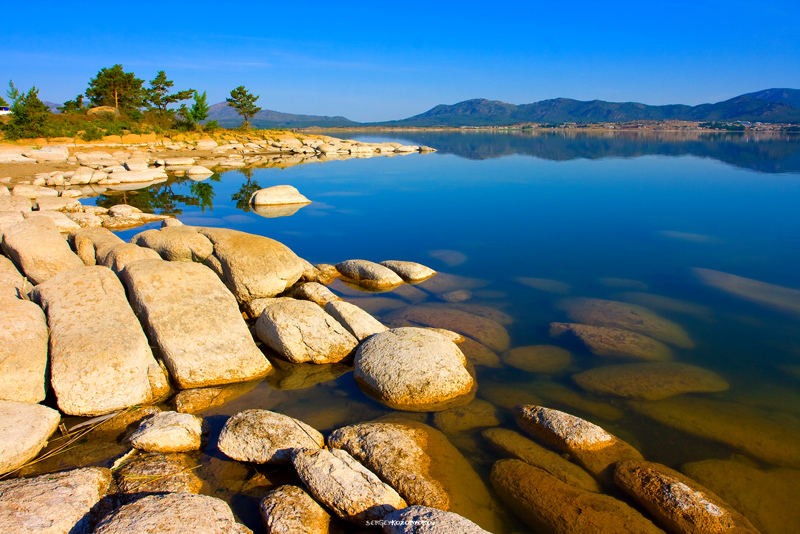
[226, 116]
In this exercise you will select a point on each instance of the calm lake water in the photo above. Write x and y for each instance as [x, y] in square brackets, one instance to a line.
[625, 217]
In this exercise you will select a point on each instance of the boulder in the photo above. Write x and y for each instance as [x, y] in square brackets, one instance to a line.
[477, 354]
[253, 266]
[48, 153]
[772, 296]
[179, 162]
[201, 399]
[614, 342]
[326, 273]
[598, 312]
[88, 241]
[277, 195]
[354, 319]
[538, 358]
[15, 203]
[426, 520]
[24, 429]
[172, 513]
[176, 243]
[23, 350]
[760, 433]
[128, 221]
[650, 381]
[677, 502]
[555, 393]
[12, 284]
[278, 210]
[510, 444]
[119, 256]
[476, 414]
[547, 504]
[168, 432]
[56, 503]
[205, 144]
[195, 322]
[63, 223]
[9, 218]
[58, 204]
[590, 446]
[315, 292]
[301, 331]
[409, 271]
[767, 497]
[338, 481]
[368, 274]
[485, 331]
[136, 164]
[414, 369]
[100, 359]
[265, 437]
[33, 191]
[100, 110]
[158, 473]
[36, 246]
[290, 510]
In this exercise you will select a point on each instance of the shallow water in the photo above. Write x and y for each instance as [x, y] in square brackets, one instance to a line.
[626, 217]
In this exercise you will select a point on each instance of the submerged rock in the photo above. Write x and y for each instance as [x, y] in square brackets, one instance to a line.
[199, 399]
[476, 353]
[598, 312]
[358, 322]
[549, 505]
[265, 437]
[290, 510]
[172, 513]
[510, 444]
[168, 432]
[614, 342]
[176, 243]
[37, 248]
[650, 381]
[553, 392]
[538, 358]
[105, 367]
[276, 195]
[301, 331]
[772, 296]
[304, 375]
[368, 274]
[23, 350]
[476, 414]
[591, 446]
[342, 484]
[24, 430]
[545, 284]
[56, 503]
[414, 369]
[195, 322]
[426, 520]
[158, 473]
[409, 271]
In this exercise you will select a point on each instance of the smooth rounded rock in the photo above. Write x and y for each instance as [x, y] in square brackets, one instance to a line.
[369, 274]
[426, 520]
[265, 437]
[315, 292]
[158, 473]
[23, 350]
[538, 358]
[24, 430]
[37, 248]
[409, 271]
[476, 414]
[614, 342]
[176, 243]
[277, 195]
[358, 322]
[168, 432]
[290, 510]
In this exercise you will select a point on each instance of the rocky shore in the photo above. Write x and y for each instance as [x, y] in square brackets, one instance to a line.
[145, 336]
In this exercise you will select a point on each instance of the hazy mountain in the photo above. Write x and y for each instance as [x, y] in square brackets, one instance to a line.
[771, 105]
[226, 116]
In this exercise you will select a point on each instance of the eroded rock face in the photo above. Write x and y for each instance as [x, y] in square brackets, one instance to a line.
[36, 246]
[368, 274]
[172, 513]
[345, 486]
[195, 322]
[301, 331]
[158, 473]
[57, 503]
[290, 510]
[168, 432]
[614, 342]
[358, 322]
[106, 367]
[414, 369]
[23, 350]
[549, 505]
[409, 271]
[119, 256]
[265, 437]
[598, 312]
[425, 520]
[277, 195]
[650, 381]
[538, 358]
[176, 243]
[253, 266]
[677, 502]
[591, 446]
[24, 430]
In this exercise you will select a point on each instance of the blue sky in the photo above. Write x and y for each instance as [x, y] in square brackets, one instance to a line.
[390, 60]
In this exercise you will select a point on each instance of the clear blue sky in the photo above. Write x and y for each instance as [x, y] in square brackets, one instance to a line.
[389, 60]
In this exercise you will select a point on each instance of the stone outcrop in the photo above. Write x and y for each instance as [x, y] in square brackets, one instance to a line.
[485, 331]
[315, 292]
[614, 342]
[301, 331]
[252, 266]
[12, 283]
[538, 358]
[677, 502]
[23, 350]
[176, 243]
[168, 432]
[106, 367]
[368, 274]
[414, 369]
[158, 473]
[290, 510]
[91, 242]
[409, 271]
[37, 248]
[119, 256]
[24, 430]
[338, 481]
[56, 503]
[277, 195]
[549, 505]
[358, 322]
[265, 437]
[195, 322]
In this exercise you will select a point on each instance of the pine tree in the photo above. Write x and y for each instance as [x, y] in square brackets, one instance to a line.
[244, 103]
[158, 95]
[28, 113]
[117, 88]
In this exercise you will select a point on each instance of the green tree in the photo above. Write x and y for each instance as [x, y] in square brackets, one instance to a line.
[198, 112]
[117, 88]
[28, 113]
[159, 97]
[244, 103]
[3, 103]
[74, 106]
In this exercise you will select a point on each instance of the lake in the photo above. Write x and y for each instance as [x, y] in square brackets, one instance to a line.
[528, 221]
